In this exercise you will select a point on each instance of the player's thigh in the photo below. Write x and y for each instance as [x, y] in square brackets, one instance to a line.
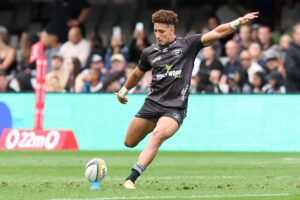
[139, 128]
[166, 127]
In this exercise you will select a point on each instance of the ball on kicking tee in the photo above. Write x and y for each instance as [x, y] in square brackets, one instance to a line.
[95, 169]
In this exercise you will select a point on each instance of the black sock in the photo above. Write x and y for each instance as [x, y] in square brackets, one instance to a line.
[134, 175]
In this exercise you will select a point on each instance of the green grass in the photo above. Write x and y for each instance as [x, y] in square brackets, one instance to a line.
[172, 175]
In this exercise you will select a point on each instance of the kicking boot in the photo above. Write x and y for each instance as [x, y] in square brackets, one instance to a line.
[128, 184]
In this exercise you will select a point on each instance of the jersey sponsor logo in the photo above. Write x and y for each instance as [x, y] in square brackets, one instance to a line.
[174, 73]
[156, 59]
[177, 53]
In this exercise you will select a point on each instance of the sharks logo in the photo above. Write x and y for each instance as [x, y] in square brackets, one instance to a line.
[177, 53]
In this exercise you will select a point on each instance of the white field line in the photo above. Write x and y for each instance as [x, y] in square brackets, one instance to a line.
[117, 178]
[182, 197]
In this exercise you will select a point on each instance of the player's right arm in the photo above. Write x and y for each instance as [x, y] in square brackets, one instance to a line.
[134, 77]
[131, 82]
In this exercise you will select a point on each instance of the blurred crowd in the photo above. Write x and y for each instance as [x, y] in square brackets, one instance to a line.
[257, 59]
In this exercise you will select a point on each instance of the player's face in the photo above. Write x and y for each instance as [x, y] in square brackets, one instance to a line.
[164, 33]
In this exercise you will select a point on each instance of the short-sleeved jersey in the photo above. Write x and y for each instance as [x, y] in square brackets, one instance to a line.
[172, 66]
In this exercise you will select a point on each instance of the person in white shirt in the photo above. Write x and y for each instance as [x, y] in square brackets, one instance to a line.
[251, 66]
[76, 46]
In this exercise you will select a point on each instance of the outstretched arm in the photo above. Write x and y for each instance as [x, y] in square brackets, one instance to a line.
[226, 29]
[132, 81]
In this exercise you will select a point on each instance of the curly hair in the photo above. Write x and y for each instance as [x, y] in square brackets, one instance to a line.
[165, 17]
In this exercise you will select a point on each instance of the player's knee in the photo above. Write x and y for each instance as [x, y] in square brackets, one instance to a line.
[129, 143]
[159, 135]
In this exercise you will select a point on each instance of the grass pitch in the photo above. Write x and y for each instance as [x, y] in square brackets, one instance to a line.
[172, 175]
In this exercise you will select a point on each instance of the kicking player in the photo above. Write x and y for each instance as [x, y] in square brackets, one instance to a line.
[171, 60]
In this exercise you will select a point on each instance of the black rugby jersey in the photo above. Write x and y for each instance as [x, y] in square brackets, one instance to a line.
[172, 66]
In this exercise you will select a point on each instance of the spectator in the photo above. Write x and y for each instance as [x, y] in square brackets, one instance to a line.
[52, 47]
[24, 48]
[137, 44]
[292, 62]
[258, 82]
[96, 63]
[273, 63]
[232, 51]
[250, 66]
[8, 63]
[96, 46]
[4, 84]
[58, 71]
[54, 85]
[115, 78]
[256, 54]
[284, 45]
[265, 38]
[65, 14]
[93, 83]
[290, 14]
[238, 82]
[209, 63]
[275, 84]
[116, 47]
[22, 83]
[254, 32]
[245, 37]
[212, 23]
[74, 68]
[76, 46]
[213, 86]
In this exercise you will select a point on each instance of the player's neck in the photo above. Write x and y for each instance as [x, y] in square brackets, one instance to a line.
[172, 39]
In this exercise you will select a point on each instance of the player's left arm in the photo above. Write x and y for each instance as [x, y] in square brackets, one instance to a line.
[226, 29]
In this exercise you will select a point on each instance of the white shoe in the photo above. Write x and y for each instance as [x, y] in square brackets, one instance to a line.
[129, 185]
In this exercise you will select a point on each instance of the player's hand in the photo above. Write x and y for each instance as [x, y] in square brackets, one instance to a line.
[122, 99]
[248, 18]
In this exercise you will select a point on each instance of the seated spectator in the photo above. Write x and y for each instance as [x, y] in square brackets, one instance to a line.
[96, 46]
[273, 63]
[96, 63]
[209, 63]
[4, 84]
[57, 70]
[265, 38]
[54, 85]
[284, 45]
[116, 47]
[250, 66]
[258, 82]
[213, 86]
[22, 83]
[76, 46]
[115, 78]
[137, 44]
[244, 37]
[53, 46]
[256, 54]
[238, 82]
[232, 51]
[73, 66]
[93, 83]
[8, 63]
[275, 84]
